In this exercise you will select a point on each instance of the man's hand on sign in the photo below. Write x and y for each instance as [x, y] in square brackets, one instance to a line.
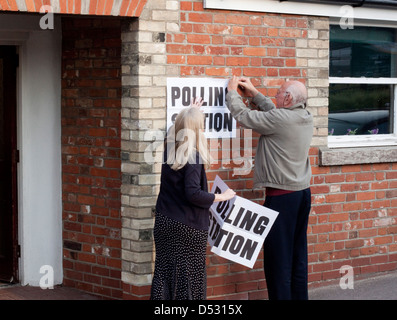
[243, 86]
[247, 87]
[233, 83]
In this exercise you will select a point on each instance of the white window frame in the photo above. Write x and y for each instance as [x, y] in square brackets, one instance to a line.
[370, 140]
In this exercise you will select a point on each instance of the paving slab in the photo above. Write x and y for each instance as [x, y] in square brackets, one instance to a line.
[377, 287]
[18, 292]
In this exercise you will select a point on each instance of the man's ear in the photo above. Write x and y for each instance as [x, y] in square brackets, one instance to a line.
[288, 99]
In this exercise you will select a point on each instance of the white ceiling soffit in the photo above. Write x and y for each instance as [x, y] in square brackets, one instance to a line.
[304, 8]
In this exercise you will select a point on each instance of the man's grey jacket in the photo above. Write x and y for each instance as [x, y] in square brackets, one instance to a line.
[281, 159]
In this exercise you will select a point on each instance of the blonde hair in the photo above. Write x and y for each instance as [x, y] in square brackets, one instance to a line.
[185, 139]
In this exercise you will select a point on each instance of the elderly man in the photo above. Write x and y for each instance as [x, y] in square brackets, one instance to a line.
[281, 166]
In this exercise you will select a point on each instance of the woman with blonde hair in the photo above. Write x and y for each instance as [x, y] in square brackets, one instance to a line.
[182, 211]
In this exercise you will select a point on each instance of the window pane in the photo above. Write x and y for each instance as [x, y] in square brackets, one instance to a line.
[360, 109]
[363, 52]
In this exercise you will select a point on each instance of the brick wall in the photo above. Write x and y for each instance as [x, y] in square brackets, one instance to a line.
[354, 206]
[354, 219]
[91, 160]
[268, 48]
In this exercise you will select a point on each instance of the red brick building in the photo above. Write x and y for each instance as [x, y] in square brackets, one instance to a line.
[86, 92]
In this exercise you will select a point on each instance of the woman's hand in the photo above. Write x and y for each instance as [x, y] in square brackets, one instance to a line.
[227, 195]
[197, 102]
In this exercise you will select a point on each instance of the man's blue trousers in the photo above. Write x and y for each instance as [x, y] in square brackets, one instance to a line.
[285, 248]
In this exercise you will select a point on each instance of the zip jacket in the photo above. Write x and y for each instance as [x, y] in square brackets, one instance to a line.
[281, 159]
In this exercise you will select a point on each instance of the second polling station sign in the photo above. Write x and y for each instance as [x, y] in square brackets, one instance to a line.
[219, 123]
[238, 227]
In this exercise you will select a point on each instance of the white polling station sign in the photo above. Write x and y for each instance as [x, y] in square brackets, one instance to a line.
[238, 227]
[219, 123]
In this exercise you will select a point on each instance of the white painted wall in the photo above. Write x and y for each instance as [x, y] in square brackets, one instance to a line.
[39, 142]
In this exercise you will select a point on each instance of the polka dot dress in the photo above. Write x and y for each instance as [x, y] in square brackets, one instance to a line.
[179, 272]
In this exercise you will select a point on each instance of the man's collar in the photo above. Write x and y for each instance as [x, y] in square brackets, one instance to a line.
[295, 106]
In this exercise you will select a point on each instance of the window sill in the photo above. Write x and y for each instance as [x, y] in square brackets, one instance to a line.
[369, 140]
[364, 155]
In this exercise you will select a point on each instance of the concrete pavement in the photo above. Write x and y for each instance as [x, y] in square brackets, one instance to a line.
[375, 287]
[18, 292]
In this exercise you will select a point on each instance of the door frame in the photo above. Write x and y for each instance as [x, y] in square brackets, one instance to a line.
[39, 141]
[10, 90]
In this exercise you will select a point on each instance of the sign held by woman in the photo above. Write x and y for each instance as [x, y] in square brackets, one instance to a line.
[238, 227]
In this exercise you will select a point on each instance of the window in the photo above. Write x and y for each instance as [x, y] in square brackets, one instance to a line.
[363, 86]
